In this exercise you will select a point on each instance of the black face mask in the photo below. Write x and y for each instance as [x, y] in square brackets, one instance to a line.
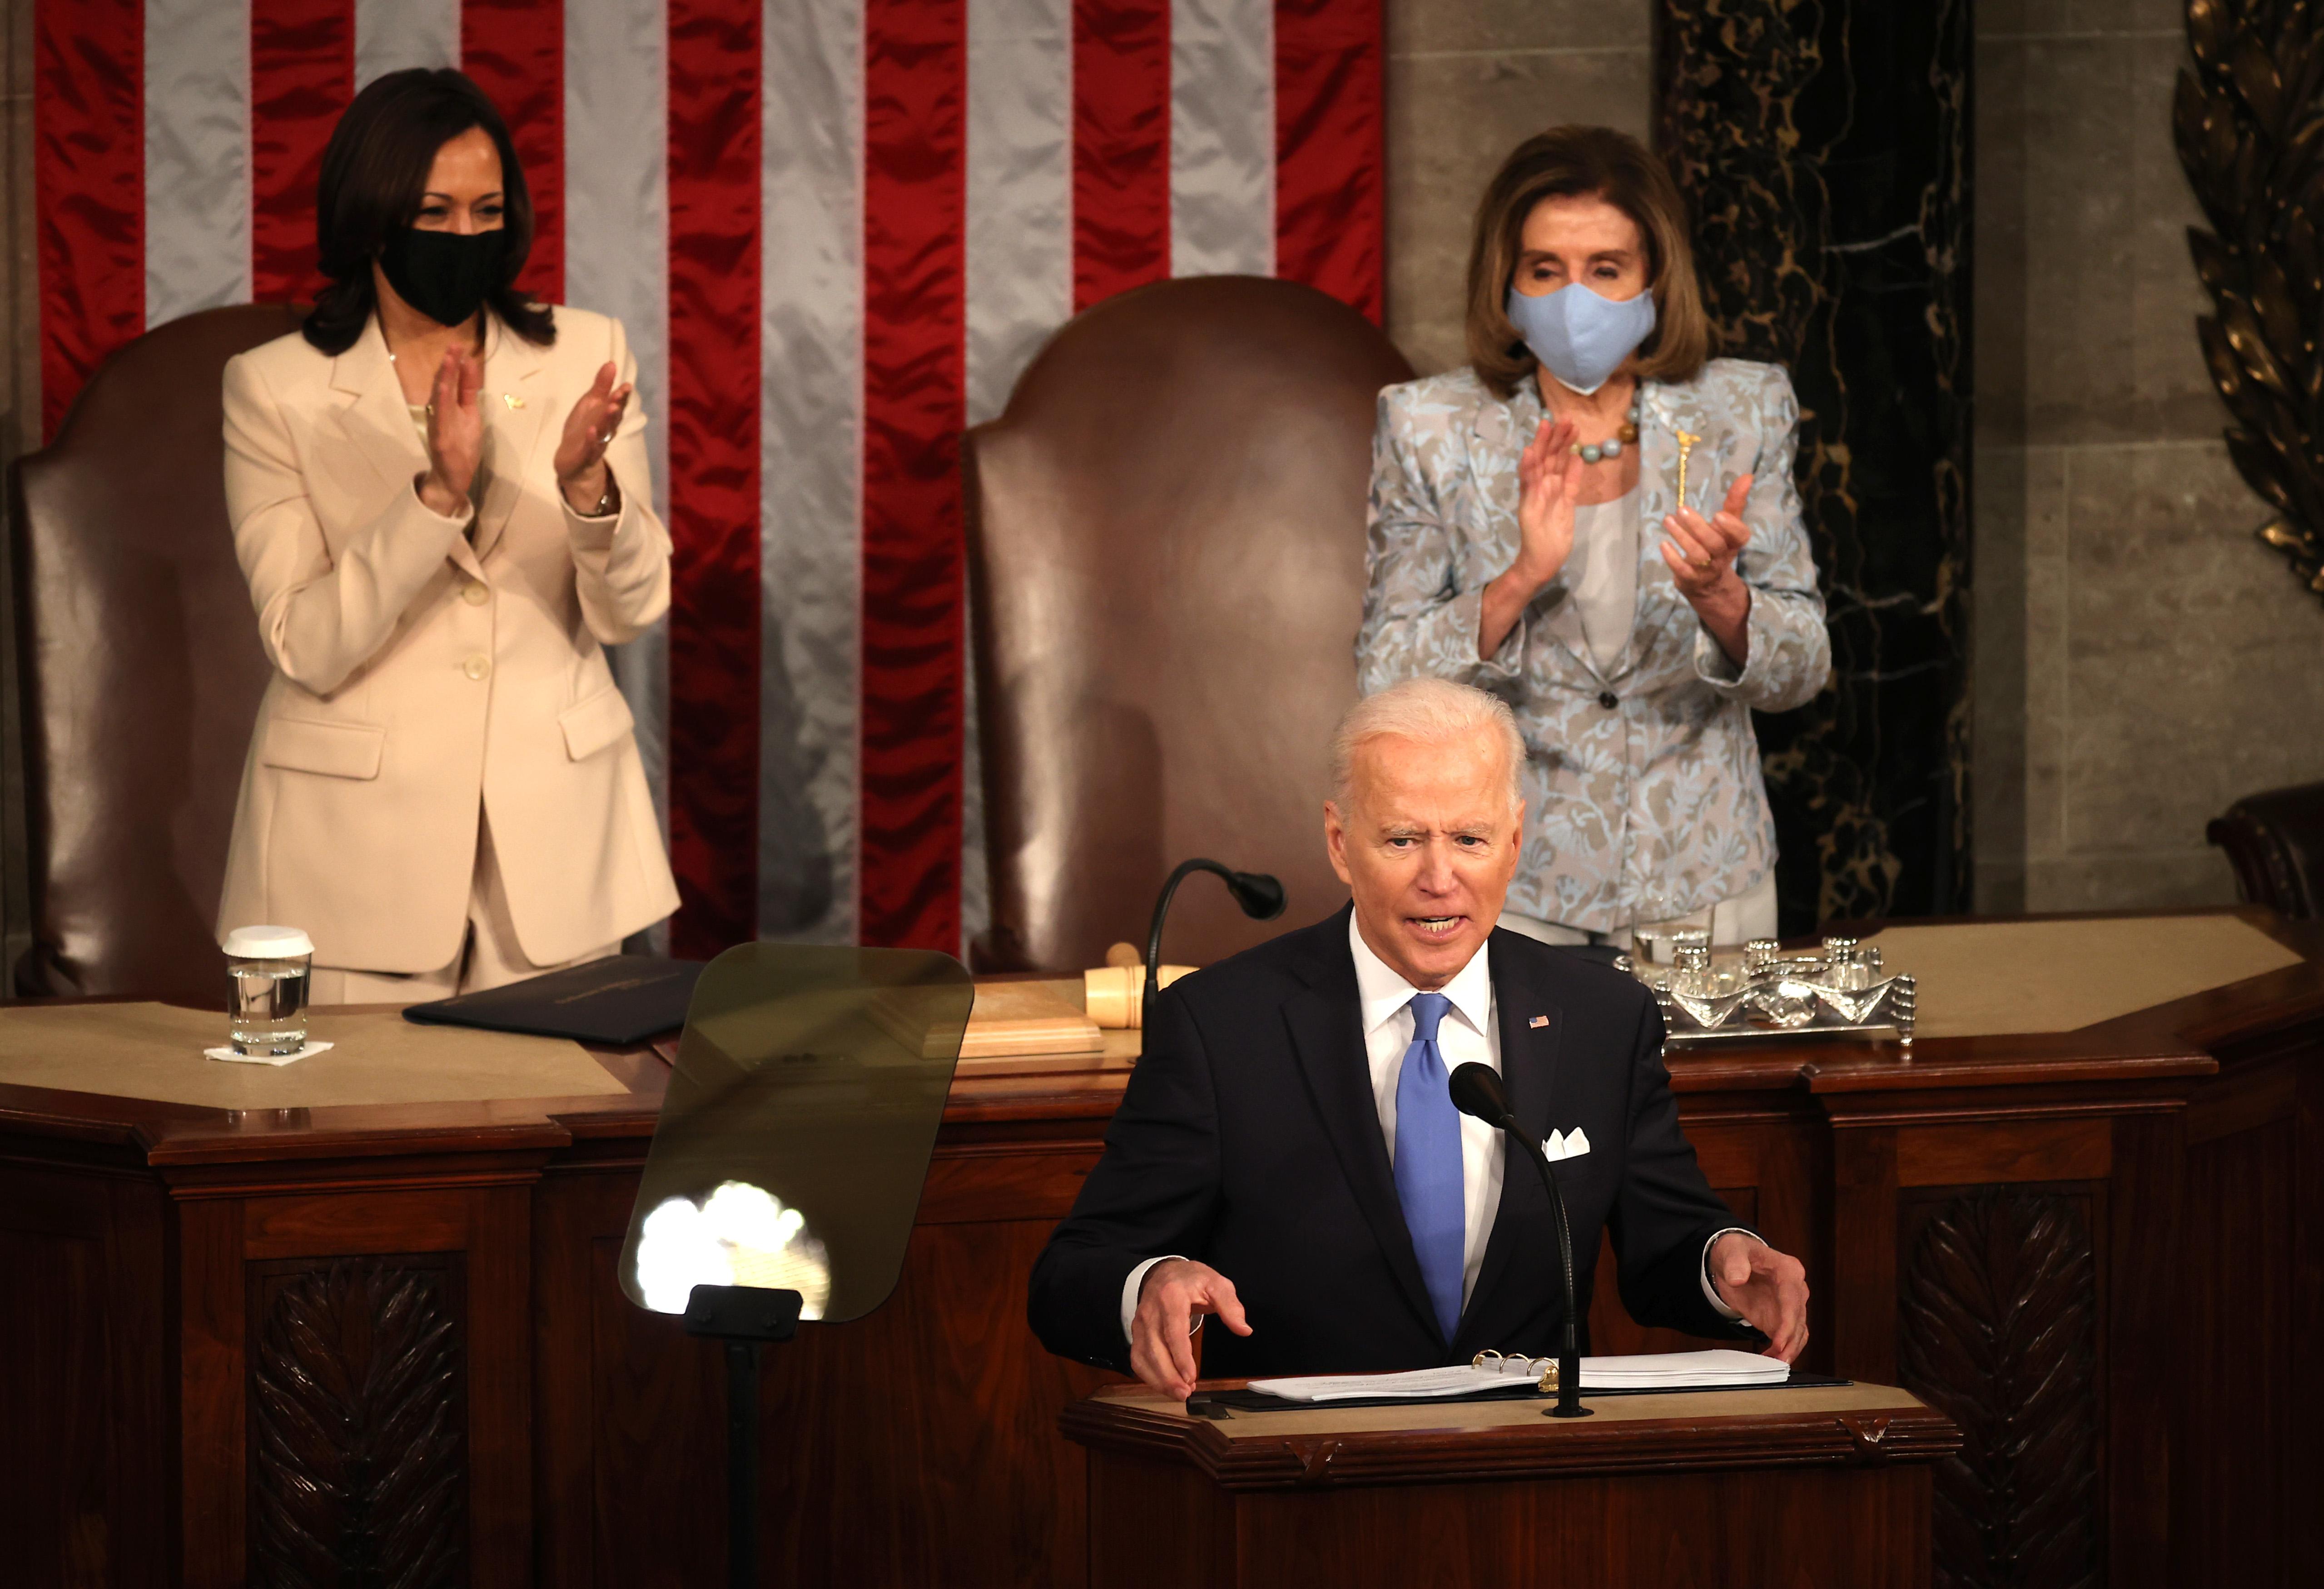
[445, 275]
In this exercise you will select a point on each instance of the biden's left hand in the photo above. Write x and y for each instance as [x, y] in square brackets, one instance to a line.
[1767, 1288]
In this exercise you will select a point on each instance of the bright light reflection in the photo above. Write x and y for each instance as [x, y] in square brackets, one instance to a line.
[741, 1236]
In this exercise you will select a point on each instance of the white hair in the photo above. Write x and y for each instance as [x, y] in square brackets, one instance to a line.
[1433, 711]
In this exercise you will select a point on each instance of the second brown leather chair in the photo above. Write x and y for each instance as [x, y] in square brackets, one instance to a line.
[141, 667]
[1166, 544]
[2275, 842]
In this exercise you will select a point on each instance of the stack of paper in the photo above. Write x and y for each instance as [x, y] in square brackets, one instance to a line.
[1676, 1370]
[1668, 1371]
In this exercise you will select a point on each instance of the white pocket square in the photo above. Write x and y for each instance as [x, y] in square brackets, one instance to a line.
[1570, 1144]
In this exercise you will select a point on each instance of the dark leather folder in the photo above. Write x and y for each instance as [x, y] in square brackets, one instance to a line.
[620, 999]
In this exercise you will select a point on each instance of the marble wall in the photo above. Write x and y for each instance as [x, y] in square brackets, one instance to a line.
[2140, 660]
[1467, 81]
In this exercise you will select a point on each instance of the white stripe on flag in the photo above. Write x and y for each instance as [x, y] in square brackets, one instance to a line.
[1019, 269]
[197, 157]
[393, 34]
[1222, 138]
[617, 262]
[810, 419]
[1019, 182]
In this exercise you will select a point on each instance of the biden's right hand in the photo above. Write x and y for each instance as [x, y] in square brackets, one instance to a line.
[1176, 1295]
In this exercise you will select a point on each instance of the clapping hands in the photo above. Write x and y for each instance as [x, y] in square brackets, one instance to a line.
[455, 434]
[1549, 487]
[589, 429]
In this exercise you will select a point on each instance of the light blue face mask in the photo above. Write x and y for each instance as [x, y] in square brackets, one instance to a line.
[1581, 337]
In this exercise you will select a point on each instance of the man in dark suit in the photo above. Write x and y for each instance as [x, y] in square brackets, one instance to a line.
[1288, 1157]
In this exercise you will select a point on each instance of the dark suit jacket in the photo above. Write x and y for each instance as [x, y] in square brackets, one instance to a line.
[1248, 1137]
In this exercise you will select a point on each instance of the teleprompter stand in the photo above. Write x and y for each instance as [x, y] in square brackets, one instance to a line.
[788, 1161]
[746, 1319]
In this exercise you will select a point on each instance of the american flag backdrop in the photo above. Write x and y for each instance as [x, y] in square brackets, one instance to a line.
[836, 230]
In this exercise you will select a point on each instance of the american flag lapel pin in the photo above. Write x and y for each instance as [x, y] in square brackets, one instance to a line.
[1539, 1020]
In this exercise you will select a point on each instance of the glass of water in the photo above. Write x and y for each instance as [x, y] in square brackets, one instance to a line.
[266, 1010]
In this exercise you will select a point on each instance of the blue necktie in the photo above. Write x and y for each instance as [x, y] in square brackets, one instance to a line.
[1428, 1161]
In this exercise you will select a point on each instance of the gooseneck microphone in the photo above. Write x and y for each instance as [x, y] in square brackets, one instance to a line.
[1477, 1090]
[1259, 895]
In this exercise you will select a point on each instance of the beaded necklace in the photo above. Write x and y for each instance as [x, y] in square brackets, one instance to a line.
[1593, 452]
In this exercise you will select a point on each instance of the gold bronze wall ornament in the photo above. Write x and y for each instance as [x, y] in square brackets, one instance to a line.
[2249, 124]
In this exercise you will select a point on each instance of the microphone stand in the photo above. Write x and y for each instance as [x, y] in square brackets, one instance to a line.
[1261, 896]
[1477, 1090]
[1569, 1351]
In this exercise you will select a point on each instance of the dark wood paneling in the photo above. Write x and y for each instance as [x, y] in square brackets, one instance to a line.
[84, 1404]
[896, 1449]
[2238, 1362]
[1999, 1330]
[2018, 1151]
[54, 1425]
[2304, 1459]
[212, 1395]
[925, 1436]
[1863, 1276]
[1803, 1528]
[358, 1421]
[2142, 1276]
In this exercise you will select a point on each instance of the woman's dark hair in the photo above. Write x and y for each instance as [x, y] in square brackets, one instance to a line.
[375, 178]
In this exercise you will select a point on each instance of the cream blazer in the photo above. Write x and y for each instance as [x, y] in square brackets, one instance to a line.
[420, 677]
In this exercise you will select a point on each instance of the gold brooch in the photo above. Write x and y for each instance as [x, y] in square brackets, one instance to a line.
[1686, 441]
[512, 400]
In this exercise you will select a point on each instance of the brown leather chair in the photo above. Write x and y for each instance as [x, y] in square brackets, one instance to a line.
[2275, 842]
[1166, 543]
[141, 667]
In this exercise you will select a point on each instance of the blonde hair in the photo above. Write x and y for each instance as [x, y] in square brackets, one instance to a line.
[1617, 168]
[1433, 711]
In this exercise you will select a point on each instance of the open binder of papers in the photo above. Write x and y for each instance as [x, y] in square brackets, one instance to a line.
[1718, 1369]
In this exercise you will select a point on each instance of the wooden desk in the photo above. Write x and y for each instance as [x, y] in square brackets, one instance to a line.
[2150, 1187]
[1819, 1489]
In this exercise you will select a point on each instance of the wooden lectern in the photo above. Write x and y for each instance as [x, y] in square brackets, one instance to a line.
[1807, 1487]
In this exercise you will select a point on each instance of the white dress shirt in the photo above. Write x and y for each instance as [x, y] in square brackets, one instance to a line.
[1468, 1033]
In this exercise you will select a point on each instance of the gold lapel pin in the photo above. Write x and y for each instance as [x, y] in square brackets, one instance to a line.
[1686, 441]
[514, 400]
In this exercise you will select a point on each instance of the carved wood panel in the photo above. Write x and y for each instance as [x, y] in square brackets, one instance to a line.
[358, 1458]
[1997, 1327]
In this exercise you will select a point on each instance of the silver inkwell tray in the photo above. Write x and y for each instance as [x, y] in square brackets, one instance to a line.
[1839, 989]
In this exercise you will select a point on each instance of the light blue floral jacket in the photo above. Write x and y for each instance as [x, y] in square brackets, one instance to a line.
[1653, 806]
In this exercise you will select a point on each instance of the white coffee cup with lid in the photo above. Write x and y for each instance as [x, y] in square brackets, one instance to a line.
[266, 1009]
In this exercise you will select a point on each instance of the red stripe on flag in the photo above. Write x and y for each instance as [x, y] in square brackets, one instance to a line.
[88, 185]
[714, 472]
[1121, 146]
[515, 51]
[1330, 199]
[915, 404]
[302, 75]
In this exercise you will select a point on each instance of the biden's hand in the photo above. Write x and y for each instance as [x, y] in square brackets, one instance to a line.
[1767, 1288]
[1176, 1295]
